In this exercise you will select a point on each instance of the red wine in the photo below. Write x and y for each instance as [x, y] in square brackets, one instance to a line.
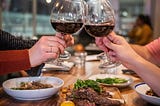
[99, 30]
[67, 28]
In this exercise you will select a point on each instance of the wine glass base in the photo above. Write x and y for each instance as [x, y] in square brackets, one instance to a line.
[109, 65]
[65, 56]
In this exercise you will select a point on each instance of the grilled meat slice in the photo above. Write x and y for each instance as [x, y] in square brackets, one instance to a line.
[93, 96]
[83, 102]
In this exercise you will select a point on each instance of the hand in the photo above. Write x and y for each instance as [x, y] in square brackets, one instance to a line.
[118, 48]
[100, 44]
[67, 38]
[46, 48]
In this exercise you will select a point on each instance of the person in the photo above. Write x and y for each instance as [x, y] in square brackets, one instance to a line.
[47, 47]
[141, 32]
[11, 42]
[142, 59]
[83, 40]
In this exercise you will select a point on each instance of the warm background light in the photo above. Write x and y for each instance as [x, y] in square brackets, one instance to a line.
[48, 1]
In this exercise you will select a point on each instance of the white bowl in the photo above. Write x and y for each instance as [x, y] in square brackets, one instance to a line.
[37, 94]
[141, 89]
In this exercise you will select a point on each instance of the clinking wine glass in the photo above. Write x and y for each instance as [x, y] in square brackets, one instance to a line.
[99, 22]
[67, 17]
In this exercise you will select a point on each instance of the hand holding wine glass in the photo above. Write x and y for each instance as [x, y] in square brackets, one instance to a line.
[100, 21]
[67, 17]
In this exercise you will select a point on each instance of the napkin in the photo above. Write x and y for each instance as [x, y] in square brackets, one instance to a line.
[92, 57]
[66, 66]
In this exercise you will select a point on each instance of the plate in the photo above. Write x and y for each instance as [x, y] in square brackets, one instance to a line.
[113, 91]
[141, 89]
[66, 66]
[121, 85]
[36, 94]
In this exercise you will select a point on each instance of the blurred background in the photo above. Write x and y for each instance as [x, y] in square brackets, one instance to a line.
[29, 18]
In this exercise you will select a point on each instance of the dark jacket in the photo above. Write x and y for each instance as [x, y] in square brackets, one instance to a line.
[10, 42]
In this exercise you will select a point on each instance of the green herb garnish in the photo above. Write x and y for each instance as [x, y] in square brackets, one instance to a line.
[87, 83]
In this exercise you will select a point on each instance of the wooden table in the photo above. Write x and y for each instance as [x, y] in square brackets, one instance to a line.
[130, 96]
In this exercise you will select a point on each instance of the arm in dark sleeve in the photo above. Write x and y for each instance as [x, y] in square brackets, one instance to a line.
[10, 42]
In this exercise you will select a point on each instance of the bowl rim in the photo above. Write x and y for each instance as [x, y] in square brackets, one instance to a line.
[58, 86]
[143, 83]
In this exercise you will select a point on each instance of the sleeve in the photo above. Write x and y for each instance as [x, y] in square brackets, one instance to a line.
[14, 60]
[10, 42]
[154, 49]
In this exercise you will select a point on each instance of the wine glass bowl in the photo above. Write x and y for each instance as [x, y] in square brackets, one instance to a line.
[67, 17]
[100, 18]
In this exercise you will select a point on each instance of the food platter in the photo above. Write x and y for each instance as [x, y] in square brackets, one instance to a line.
[128, 80]
[85, 96]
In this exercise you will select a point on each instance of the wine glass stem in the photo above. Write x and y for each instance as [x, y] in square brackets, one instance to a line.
[108, 58]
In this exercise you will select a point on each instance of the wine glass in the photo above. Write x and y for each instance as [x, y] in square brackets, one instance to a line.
[106, 64]
[67, 17]
[99, 22]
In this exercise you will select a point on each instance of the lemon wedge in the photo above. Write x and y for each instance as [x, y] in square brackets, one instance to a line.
[67, 103]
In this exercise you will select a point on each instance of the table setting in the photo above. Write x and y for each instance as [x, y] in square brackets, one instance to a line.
[82, 79]
[130, 92]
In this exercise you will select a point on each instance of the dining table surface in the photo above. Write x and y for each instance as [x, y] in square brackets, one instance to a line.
[78, 72]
